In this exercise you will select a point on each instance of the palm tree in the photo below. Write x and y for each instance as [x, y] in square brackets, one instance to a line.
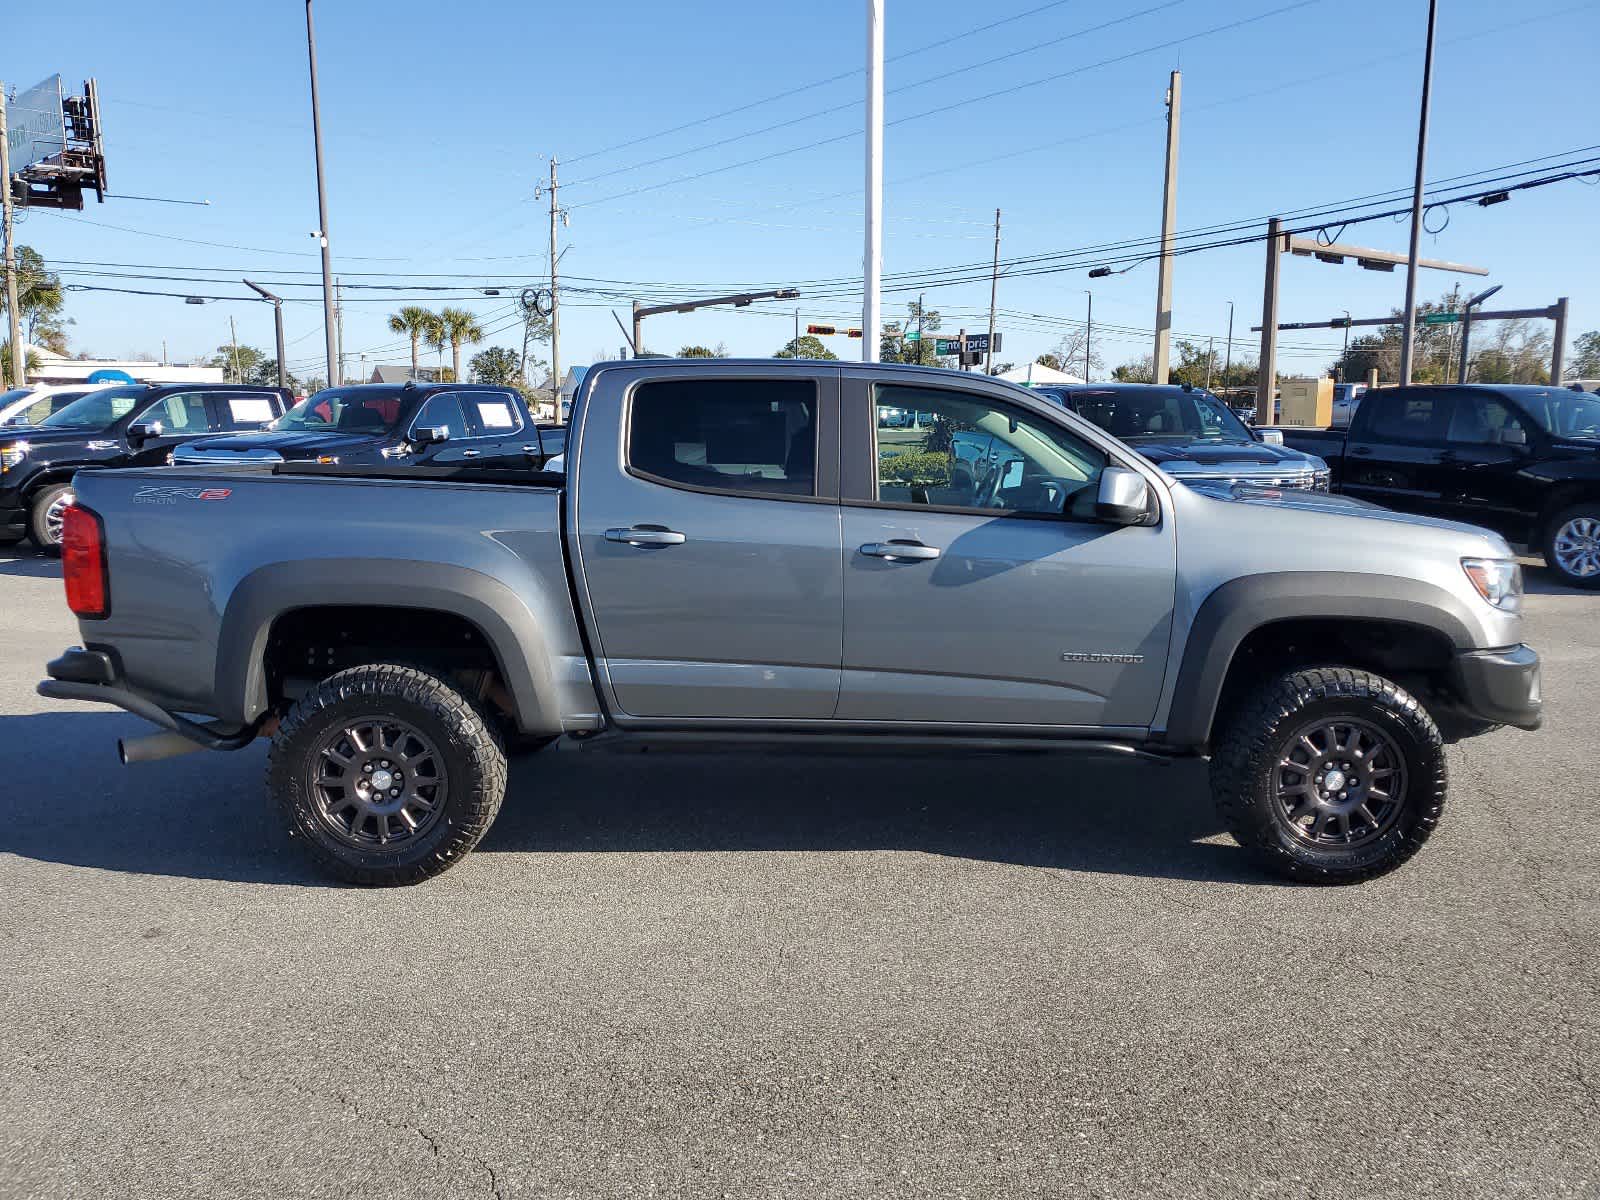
[455, 326]
[417, 323]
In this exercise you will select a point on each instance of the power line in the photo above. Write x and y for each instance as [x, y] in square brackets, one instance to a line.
[1006, 91]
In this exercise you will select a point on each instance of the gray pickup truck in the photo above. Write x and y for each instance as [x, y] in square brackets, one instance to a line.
[738, 553]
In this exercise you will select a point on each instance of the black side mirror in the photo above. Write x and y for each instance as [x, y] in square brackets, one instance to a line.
[141, 432]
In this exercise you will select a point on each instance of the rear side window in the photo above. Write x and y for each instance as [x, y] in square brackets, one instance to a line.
[1407, 416]
[496, 415]
[733, 435]
[244, 411]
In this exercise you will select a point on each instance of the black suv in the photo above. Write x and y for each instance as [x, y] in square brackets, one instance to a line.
[463, 425]
[134, 426]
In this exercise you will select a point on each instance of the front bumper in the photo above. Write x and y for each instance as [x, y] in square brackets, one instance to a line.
[1500, 686]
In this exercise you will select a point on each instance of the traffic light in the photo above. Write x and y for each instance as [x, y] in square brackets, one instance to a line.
[822, 330]
[855, 333]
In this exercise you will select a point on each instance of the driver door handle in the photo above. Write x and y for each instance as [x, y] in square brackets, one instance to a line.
[643, 535]
[910, 551]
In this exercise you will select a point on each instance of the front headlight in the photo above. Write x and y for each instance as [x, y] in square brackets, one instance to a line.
[13, 454]
[1498, 580]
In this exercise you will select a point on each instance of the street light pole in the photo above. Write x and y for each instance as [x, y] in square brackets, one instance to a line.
[277, 323]
[872, 264]
[1409, 324]
[328, 327]
[1466, 325]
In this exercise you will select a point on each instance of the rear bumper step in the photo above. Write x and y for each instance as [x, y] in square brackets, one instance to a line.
[90, 675]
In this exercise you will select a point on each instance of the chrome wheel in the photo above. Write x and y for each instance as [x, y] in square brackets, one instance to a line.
[1577, 547]
[55, 516]
[1339, 783]
[377, 783]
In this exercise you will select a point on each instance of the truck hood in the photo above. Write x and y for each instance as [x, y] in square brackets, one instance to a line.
[1323, 502]
[291, 445]
[39, 435]
[1176, 455]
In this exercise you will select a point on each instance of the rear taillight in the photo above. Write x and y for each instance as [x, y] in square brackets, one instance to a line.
[83, 563]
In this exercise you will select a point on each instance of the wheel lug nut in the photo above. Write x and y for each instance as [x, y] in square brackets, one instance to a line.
[367, 767]
[394, 792]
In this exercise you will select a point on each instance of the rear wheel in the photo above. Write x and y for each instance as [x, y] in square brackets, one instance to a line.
[46, 514]
[1572, 546]
[1330, 775]
[388, 774]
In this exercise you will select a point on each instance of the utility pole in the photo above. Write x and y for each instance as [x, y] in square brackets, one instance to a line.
[1409, 318]
[1169, 216]
[921, 357]
[233, 340]
[328, 329]
[872, 255]
[338, 313]
[277, 327]
[19, 356]
[1228, 364]
[1088, 334]
[555, 301]
[797, 333]
[994, 288]
[1211, 357]
[1267, 380]
[164, 352]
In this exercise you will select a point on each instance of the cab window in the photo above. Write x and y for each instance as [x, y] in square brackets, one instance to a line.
[728, 435]
[969, 452]
[443, 408]
[183, 412]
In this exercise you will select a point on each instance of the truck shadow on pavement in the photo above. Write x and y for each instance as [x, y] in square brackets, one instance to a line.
[207, 816]
[26, 564]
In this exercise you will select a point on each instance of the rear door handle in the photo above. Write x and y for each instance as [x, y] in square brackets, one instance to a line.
[530, 450]
[911, 551]
[646, 535]
[471, 453]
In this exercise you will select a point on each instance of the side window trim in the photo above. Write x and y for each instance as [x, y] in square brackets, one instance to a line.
[825, 477]
[469, 416]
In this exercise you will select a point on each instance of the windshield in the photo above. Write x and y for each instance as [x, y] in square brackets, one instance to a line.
[348, 410]
[1161, 413]
[96, 410]
[1563, 413]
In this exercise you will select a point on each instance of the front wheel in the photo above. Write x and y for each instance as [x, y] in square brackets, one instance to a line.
[388, 774]
[1572, 546]
[1330, 775]
[46, 516]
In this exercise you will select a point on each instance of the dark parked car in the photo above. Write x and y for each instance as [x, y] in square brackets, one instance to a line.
[1191, 434]
[463, 425]
[134, 426]
[1523, 461]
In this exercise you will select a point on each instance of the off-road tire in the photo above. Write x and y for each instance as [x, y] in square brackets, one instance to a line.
[473, 757]
[1259, 734]
[1548, 545]
[38, 509]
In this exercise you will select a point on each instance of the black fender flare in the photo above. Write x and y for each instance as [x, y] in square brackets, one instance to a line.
[519, 645]
[1241, 606]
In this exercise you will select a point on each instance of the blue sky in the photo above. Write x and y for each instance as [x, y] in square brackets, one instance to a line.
[438, 121]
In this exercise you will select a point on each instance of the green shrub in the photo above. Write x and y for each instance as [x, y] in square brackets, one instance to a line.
[923, 467]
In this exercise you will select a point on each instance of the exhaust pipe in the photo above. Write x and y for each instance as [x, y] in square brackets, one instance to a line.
[153, 747]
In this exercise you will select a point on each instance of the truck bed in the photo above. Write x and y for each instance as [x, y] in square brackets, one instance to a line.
[203, 562]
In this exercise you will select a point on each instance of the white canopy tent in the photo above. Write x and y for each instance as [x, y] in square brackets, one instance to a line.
[1037, 375]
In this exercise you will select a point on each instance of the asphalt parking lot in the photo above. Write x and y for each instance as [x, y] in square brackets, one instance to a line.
[719, 976]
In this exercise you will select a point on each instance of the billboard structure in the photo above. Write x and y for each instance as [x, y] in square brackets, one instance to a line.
[56, 147]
